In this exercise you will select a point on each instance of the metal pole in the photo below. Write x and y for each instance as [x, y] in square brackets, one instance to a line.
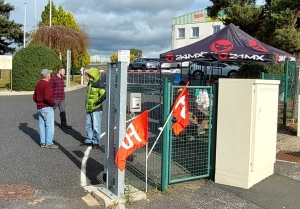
[110, 123]
[35, 23]
[146, 169]
[286, 91]
[165, 149]
[50, 21]
[121, 123]
[213, 143]
[25, 8]
[68, 68]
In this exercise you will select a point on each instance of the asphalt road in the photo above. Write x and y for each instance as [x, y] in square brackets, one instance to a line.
[54, 174]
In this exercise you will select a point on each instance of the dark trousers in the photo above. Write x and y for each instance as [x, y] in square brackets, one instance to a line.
[61, 104]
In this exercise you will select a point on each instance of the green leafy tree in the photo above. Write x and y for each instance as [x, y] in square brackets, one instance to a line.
[219, 5]
[276, 23]
[10, 31]
[242, 13]
[114, 57]
[279, 28]
[247, 17]
[136, 52]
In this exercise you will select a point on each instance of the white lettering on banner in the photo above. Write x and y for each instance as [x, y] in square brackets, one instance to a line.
[190, 56]
[181, 101]
[128, 137]
[282, 58]
[231, 56]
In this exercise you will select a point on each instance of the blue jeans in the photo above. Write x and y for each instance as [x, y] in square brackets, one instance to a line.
[93, 127]
[46, 125]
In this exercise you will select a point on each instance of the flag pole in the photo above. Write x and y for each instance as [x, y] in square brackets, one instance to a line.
[146, 167]
[169, 116]
[148, 154]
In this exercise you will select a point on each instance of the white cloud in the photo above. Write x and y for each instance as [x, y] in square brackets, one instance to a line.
[120, 24]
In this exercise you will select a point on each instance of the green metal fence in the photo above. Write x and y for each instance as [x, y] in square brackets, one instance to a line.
[174, 159]
[288, 92]
[189, 152]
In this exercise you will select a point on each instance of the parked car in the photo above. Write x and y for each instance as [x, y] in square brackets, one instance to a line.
[144, 64]
[198, 69]
[178, 65]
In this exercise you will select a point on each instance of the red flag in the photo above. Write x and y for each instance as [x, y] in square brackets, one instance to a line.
[136, 137]
[181, 111]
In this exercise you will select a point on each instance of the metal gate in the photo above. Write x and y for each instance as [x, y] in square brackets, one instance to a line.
[149, 85]
[189, 152]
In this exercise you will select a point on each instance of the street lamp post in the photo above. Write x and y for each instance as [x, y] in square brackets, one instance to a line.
[50, 23]
[35, 20]
[25, 5]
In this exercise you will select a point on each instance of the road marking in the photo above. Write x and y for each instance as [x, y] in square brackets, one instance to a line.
[83, 164]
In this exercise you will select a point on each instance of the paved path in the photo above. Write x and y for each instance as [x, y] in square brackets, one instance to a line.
[54, 174]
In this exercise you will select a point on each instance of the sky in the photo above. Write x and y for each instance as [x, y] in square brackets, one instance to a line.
[117, 24]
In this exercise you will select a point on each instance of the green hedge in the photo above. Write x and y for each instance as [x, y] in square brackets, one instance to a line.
[28, 64]
[253, 70]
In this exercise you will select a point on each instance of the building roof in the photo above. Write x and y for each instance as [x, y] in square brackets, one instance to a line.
[194, 17]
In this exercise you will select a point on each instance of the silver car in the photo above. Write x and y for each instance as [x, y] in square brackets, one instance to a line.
[214, 69]
[144, 64]
[177, 65]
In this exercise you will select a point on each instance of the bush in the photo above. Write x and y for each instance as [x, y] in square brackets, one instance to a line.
[28, 64]
[253, 70]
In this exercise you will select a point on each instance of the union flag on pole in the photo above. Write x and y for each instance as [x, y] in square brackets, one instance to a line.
[136, 137]
[181, 111]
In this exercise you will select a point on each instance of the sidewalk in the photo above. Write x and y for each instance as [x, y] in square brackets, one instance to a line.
[281, 190]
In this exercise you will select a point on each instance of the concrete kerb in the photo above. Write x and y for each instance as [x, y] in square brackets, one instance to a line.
[117, 202]
[16, 93]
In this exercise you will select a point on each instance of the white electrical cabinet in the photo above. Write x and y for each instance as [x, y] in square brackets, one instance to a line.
[246, 131]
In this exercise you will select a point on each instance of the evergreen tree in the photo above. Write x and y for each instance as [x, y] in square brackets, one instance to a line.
[279, 28]
[276, 23]
[10, 31]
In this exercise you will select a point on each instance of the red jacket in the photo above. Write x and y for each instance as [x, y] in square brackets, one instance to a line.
[43, 94]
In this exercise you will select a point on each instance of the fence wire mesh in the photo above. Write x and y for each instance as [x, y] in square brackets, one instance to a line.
[190, 150]
[150, 87]
[292, 92]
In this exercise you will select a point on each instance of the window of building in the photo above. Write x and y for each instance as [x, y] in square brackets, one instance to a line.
[181, 32]
[216, 28]
[195, 31]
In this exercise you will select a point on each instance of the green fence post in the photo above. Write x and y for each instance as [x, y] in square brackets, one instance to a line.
[165, 142]
[286, 70]
[213, 143]
[262, 75]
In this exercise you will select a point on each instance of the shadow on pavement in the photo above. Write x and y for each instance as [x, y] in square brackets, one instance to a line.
[94, 168]
[72, 132]
[30, 132]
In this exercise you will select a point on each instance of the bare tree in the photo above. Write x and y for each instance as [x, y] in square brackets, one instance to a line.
[61, 38]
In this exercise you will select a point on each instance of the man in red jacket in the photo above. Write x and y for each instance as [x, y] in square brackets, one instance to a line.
[58, 87]
[43, 97]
